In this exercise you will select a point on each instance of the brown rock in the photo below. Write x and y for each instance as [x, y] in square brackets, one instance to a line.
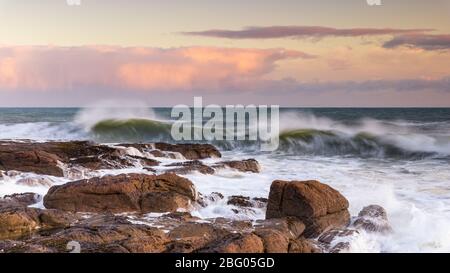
[236, 243]
[248, 165]
[29, 160]
[190, 166]
[106, 234]
[24, 199]
[190, 151]
[17, 221]
[57, 219]
[319, 206]
[46, 158]
[303, 245]
[123, 193]
[274, 241]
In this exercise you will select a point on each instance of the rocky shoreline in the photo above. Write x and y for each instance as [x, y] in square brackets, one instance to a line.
[149, 211]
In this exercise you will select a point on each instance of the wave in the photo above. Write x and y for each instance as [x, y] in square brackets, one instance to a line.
[300, 134]
[131, 130]
[363, 144]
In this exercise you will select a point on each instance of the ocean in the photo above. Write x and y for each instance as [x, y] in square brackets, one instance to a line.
[394, 157]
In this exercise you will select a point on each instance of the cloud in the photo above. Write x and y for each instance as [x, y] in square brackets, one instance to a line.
[300, 32]
[147, 69]
[423, 41]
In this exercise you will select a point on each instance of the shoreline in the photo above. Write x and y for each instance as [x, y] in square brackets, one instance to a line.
[155, 206]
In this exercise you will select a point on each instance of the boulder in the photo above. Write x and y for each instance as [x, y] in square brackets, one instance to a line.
[318, 205]
[373, 218]
[123, 193]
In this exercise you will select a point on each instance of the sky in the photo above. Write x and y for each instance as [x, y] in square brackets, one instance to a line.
[285, 52]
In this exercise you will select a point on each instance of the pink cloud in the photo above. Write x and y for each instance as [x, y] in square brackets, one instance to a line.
[60, 68]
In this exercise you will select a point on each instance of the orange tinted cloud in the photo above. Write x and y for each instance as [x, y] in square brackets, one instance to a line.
[46, 67]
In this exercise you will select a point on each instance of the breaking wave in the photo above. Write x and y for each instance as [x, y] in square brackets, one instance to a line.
[300, 133]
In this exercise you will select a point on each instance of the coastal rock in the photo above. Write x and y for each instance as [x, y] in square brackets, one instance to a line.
[337, 240]
[190, 166]
[50, 158]
[318, 205]
[189, 237]
[373, 218]
[123, 193]
[236, 243]
[105, 233]
[246, 202]
[35, 181]
[205, 200]
[303, 245]
[24, 199]
[29, 159]
[248, 165]
[17, 221]
[10, 246]
[190, 151]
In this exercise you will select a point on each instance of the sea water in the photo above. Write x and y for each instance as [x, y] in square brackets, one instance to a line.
[396, 158]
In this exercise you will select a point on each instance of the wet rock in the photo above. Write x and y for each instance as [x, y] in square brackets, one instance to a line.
[17, 220]
[106, 234]
[373, 218]
[123, 193]
[190, 166]
[303, 245]
[291, 227]
[236, 243]
[189, 237]
[50, 158]
[248, 165]
[246, 202]
[24, 199]
[337, 240]
[190, 151]
[146, 162]
[10, 246]
[206, 200]
[318, 205]
[57, 219]
[28, 159]
[274, 241]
